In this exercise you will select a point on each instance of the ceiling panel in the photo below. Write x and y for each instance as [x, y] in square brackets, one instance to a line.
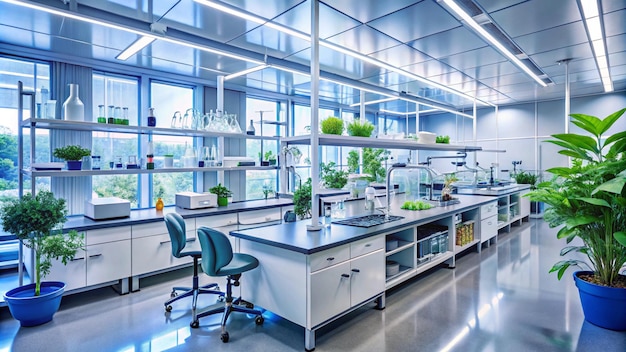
[493, 70]
[271, 42]
[494, 5]
[534, 16]
[474, 58]
[430, 68]
[299, 18]
[400, 55]
[553, 38]
[448, 42]
[575, 52]
[615, 23]
[616, 44]
[266, 9]
[367, 10]
[363, 39]
[415, 22]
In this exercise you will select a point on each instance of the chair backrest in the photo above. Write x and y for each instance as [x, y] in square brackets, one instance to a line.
[216, 250]
[177, 230]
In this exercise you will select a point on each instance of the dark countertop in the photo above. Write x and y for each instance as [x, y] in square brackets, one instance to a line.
[295, 237]
[141, 216]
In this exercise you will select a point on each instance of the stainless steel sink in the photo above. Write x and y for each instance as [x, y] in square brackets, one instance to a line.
[368, 220]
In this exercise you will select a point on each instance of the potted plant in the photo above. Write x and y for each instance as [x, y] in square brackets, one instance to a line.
[72, 154]
[270, 157]
[360, 128]
[588, 199]
[526, 178]
[332, 125]
[302, 200]
[36, 221]
[333, 177]
[222, 194]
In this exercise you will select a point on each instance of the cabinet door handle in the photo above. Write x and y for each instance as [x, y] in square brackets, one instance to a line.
[95, 255]
[77, 259]
[356, 270]
[489, 223]
[164, 242]
[345, 275]
[368, 245]
[190, 240]
[330, 258]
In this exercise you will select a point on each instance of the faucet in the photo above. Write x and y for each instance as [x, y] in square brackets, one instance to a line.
[405, 166]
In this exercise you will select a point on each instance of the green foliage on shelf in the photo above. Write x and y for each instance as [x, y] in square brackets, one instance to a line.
[360, 128]
[302, 200]
[37, 221]
[220, 191]
[589, 197]
[416, 205]
[442, 139]
[71, 152]
[332, 125]
[332, 176]
[372, 163]
[526, 178]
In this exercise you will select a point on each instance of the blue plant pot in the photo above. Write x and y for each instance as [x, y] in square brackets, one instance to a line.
[33, 310]
[603, 306]
[74, 165]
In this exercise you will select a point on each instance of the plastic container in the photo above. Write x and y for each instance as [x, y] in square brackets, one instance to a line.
[426, 137]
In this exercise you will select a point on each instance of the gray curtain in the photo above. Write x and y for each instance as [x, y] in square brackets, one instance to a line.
[73, 189]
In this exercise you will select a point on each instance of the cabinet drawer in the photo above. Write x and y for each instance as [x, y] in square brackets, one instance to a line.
[109, 234]
[330, 293]
[108, 262]
[329, 257]
[259, 217]
[154, 253]
[488, 210]
[217, 221]
[158, 228]
[366, 245]
[488, 228]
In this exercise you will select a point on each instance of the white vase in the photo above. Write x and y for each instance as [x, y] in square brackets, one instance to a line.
[73, 108]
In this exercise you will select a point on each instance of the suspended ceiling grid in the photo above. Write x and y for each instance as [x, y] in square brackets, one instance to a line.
[420, 37]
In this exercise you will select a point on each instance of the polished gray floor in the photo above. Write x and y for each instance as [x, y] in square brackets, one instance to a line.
[501, 299]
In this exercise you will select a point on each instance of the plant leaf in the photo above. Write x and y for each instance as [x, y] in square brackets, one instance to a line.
[568, 249]
[595, 201]
[580, 220]
[620, 237]
[588, 123]
[584, 142]
[559, 171]
[615, 186]
[615, 137]
[608, 121]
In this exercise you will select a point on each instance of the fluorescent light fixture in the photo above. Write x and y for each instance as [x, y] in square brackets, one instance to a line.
[135, 47]
[262, 21]
[595, 33]
[83, 18]
[245, 72]
[483, 33]
[374, 102]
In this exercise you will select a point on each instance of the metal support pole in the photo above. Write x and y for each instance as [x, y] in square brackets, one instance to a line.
[315, 81]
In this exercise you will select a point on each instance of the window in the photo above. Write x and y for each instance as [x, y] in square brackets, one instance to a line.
[110, 93]
[257, 180]
[167, 99]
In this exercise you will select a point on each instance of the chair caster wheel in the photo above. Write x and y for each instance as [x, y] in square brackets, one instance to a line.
[173, 294]
[221, 299]
[224, 337]
[194, 324]
[168, 308]
[259, 320]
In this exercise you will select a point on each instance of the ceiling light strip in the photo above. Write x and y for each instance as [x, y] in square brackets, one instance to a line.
[595, 33]
[483, 33]
[83, 18]
[245, 72]
[247, 16]
[374, 102]
[135, 47]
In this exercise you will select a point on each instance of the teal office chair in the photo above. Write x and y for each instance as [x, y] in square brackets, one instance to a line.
[218, 259]
[176, 228]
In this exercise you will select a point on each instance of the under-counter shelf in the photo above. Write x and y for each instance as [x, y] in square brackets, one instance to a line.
[402, 245]
[52, 124]
[459, 249]
[72, 173]
[359, 142]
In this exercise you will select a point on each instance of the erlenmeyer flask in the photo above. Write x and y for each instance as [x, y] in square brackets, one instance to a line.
[234, 124]
[176, 120]
[187, 119]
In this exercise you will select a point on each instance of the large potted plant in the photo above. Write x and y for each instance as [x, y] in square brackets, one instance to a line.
[222, 194]
[588, 199]
[73, 155]
[37, 221]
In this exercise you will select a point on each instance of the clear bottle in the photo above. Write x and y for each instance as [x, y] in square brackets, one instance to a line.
[118, 115]
[125, 116]
[110, 115]
[250, 130]
[101, 117]
[327, 217]
[159, 204]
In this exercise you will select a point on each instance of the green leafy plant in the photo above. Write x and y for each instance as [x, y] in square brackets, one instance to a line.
[37, 222]
[269, 155]
[332, 125]
[526, 178]
[220, 191]
[416, 205]
[589, 198]
[372, 163]
[360, 128]
[442, 139]
[332, 176]
[302, 200]
[71, 152]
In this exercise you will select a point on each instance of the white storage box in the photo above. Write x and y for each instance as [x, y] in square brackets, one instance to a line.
[193, 200]
[107, 208]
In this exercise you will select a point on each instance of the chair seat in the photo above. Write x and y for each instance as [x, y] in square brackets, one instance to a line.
[197, 254]
[241, 262]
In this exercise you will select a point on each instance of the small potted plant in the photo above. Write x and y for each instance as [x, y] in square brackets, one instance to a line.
[222, 194]
[270, 157]
[332, 125]
[36, 221]
[360, 128]
[302, 200]
[72, 154]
